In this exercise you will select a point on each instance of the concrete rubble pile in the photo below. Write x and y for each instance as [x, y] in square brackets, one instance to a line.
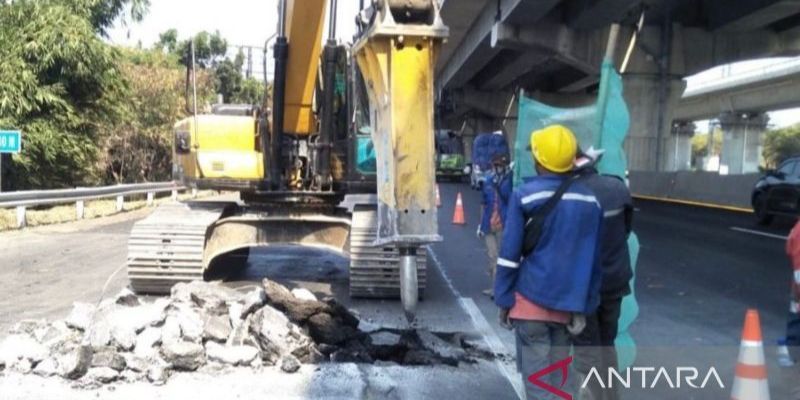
[209, 327]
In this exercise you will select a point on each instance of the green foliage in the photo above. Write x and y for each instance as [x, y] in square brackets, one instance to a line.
[168, 41]
[700, 144]
[57, 78]
[250, 92]
[209, 49]
[781, 144]
[138, 147]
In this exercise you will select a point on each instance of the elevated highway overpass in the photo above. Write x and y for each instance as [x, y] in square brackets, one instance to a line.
[553, 48]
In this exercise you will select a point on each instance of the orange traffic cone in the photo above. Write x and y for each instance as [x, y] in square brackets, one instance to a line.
[751, 372]
[438, 198]
[458, 214]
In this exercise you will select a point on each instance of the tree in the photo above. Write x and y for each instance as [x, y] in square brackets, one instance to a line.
[700, 146]
[138, 147]
[57, 79]
[781, 144]
[168, 40]
[209, 49]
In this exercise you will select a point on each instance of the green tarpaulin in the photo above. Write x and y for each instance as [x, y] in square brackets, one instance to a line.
[602, 125]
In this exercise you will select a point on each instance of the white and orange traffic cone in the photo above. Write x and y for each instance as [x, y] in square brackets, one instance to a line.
[458, 214]
[750, 382]
[438, 198]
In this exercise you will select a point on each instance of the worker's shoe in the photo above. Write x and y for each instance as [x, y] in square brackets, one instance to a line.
[489, 292]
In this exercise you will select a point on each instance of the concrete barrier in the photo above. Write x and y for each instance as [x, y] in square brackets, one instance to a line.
[699, 187]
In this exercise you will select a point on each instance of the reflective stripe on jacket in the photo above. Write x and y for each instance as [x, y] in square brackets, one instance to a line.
[563, 272]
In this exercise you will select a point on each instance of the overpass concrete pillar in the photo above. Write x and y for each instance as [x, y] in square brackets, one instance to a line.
[741, 141]
[679, 146]
[648, 142]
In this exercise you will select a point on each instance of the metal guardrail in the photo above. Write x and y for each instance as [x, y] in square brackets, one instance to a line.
[30, 198]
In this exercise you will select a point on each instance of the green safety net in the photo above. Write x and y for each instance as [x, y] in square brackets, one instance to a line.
[602, 125]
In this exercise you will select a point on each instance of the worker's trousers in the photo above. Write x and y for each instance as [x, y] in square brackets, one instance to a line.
[594, 347]
[540, 345]
[493, 241]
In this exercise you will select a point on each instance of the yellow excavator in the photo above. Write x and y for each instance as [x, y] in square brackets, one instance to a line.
[341, 157]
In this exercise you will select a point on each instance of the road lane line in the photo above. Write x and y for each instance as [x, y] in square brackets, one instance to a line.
[483, 328]
[495, 344]
[759, 233]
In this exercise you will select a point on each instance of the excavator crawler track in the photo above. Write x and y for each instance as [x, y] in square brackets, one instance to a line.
[167, 247]
[375, 271]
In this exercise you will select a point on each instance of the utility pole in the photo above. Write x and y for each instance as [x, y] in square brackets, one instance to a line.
[249, 72]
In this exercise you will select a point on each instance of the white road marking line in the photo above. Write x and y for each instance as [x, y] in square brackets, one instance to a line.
[759, 233]
[484, 329]
[495, 344]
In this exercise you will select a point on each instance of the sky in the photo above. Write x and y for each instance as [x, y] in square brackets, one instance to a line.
[240, 22]
[251, 22]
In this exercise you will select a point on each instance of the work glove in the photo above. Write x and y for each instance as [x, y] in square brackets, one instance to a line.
[480, 233]
[505, 322]
[576, 324]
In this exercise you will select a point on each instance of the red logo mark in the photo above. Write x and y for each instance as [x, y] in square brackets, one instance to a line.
[562, 366]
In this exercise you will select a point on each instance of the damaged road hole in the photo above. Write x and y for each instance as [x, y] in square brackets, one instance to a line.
[208, 327]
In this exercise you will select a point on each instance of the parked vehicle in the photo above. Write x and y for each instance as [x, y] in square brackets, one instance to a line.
[484, 148]
[778, 192]
[450, 161]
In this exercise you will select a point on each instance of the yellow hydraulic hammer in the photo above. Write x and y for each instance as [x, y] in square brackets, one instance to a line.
[396, 55]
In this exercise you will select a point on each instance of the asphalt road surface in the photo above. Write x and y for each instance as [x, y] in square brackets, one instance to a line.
[699, 270]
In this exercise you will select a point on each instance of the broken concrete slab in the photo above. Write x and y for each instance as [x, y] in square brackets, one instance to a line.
[28, 327]
[183, 355]
[440, 347]
[126, 297]
[303, 294]
[109, 358]
[146, 342]
[217, 328]
[290, 364]
[231, 355]
[276, 335]
[74, 363]
[158, 373]
[22, 366]
[190, 321]
[101, 375]
[136, 363]
[206, 295]
[324, 328]
[123, 337]
[171, 331]
[252, 301]
[22, 347]
[46, 368]
[81, 316]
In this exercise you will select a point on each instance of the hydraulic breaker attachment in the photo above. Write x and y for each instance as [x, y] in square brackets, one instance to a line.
[396, 54]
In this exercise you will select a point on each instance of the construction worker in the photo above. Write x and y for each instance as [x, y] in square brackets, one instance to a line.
[594, 347]
[548, 272]
[793, 323]
[496, 192]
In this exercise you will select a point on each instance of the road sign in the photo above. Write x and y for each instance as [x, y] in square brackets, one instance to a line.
[10, 141]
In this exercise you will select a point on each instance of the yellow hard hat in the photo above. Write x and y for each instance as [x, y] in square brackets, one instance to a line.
[554, 147]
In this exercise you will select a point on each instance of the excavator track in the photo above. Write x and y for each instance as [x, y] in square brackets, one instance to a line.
[167, 247]
[375, 271]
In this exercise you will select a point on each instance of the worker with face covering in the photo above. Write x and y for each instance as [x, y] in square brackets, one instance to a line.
[496, 192]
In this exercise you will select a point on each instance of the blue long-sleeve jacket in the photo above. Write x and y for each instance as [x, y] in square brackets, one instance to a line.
[492, 185]
[564, 271]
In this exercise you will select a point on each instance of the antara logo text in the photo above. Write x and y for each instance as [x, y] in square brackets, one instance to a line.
[644, 377]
